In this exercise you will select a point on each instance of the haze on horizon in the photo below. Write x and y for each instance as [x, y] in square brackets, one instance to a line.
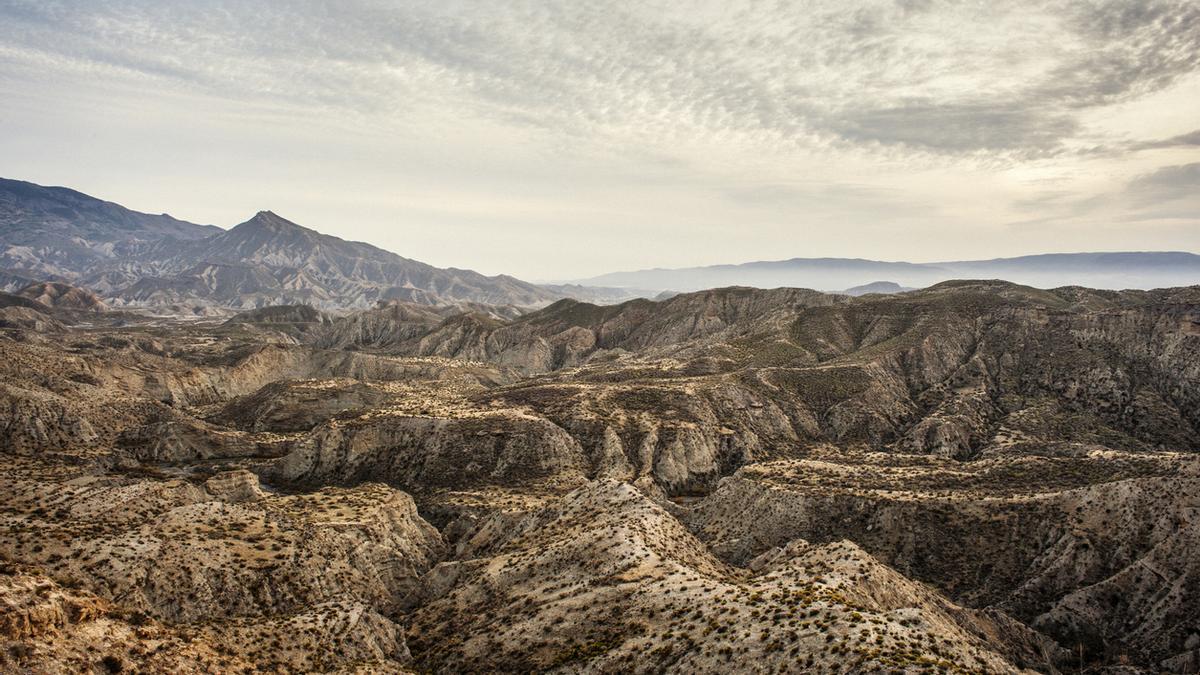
[557, 140]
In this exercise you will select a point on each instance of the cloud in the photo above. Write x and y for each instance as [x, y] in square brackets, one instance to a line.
[961, 127]
[441, 123]
[1189, 140]
[1129, 49]
[1167, 183]
[927, 76]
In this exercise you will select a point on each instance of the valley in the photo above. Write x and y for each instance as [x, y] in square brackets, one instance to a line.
[974, 477]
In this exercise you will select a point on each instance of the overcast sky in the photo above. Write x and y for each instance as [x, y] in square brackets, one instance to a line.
[562, 139]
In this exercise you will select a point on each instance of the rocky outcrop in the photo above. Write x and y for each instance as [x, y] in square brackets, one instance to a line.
[181, 554]
[62, 296]
[427, 453]
[682, 439]
[288, 406]
[169, 436]
[34, 606]
[235, 487]
[606, 546]
[32, 421]
[1089, 549]
[48, 628]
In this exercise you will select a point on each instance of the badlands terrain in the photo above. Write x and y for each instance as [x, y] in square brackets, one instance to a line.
[977, 477]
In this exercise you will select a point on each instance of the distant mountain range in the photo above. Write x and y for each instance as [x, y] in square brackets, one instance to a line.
[137, 259]
[132, 259]
[877, 287]
[1095, 270]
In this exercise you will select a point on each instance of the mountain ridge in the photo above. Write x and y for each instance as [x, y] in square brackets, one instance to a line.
[1102, 269]
[978, 475]
[140, 260]
[133, 259]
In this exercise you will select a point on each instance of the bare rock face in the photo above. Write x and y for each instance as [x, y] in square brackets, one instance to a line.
[168, 436]
[289, 405]
[425, 453]
[682, 439]
[234, 487]
[34, 607]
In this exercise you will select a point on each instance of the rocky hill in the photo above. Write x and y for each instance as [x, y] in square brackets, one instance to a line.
[20, 313]
[63, 296]
[641, 594]
[972, 477]
[142, 260]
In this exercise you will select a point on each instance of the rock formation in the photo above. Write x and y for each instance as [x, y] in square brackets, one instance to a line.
[973, 477]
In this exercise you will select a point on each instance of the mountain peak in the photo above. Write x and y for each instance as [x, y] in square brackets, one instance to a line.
[272, 220]
[142, 259]
[270, 225]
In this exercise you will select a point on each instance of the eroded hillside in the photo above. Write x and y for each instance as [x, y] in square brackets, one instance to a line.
[977, 477]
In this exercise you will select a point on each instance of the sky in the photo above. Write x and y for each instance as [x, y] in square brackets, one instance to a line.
[563, 139]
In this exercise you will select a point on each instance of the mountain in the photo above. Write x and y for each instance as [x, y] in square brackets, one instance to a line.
[269, 260]
[58, 231]
[1097, 270]
[137, 259]
[877, 287]
[598, 294]
[820, 273]
[11, 282]
[325, 270]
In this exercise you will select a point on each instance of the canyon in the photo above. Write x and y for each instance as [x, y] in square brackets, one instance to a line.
[973, 477]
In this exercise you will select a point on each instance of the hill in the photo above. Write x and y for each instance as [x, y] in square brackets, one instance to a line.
[63, 296]
[973, 477]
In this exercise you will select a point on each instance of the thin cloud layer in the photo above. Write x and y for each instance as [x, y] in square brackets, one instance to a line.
[958, 116]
